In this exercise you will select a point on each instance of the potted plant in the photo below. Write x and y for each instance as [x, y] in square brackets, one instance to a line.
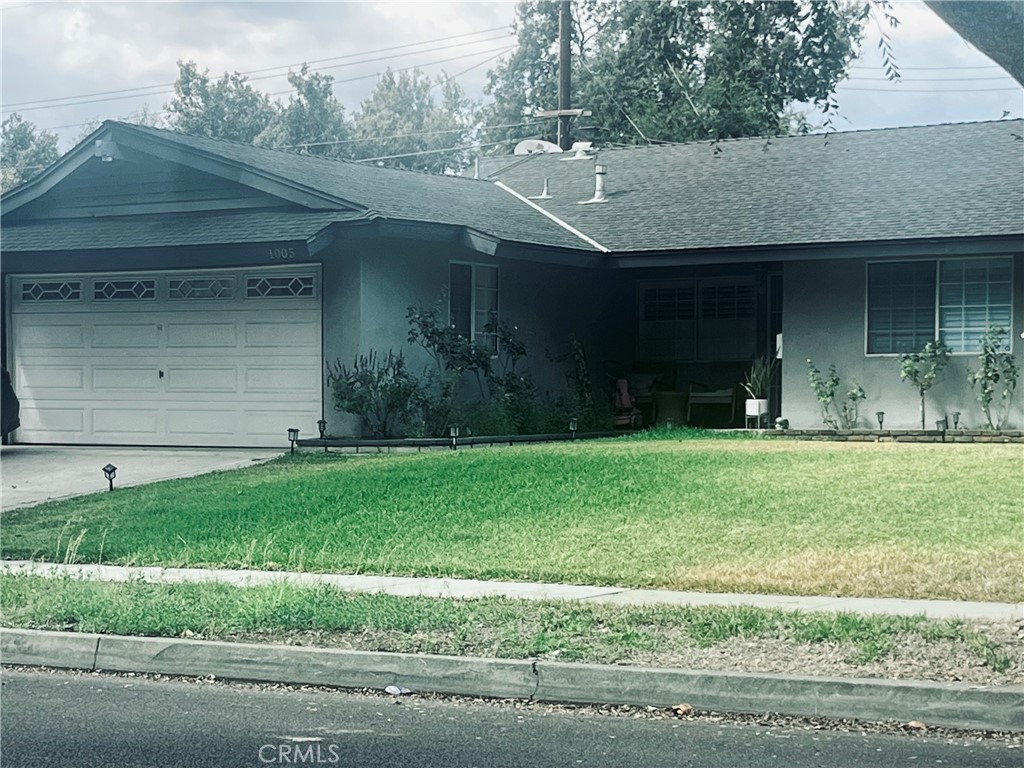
[759, 379]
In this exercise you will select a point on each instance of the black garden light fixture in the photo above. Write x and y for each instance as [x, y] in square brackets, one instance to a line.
[293, 436]
[956, 419]
[573, 424]
[453, 433]
[881, 418]
[321, 425]
[110, 472]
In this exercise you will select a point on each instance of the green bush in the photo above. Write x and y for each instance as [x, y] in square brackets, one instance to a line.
[380, 391]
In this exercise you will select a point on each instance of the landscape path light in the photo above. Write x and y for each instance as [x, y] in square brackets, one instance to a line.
[110, 472]
[322, 426]
[293, 436]
[573, 423]
[881, 418]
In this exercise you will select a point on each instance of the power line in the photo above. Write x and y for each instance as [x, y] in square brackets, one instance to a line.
[899, 89]
[406, 69]
[406, 135]
[347, 64]
[436, 151]
[929, 69]
[932, 79]
[8, 107]
[164, 112]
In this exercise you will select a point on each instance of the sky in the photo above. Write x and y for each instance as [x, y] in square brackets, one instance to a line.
[61, 60]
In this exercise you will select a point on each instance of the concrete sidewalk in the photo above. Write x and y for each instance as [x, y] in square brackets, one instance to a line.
[468, 588]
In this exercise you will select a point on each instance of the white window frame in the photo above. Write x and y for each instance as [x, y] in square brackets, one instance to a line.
[938, 287]
[474, 331]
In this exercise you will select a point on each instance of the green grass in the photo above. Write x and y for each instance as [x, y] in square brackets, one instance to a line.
[926, 521]
[493, 627]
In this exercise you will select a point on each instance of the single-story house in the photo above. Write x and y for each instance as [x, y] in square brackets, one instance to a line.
[166, 289]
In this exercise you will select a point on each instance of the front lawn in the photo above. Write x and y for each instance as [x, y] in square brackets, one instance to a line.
[938, 521]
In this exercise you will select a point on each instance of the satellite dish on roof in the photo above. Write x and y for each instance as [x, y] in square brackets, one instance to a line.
[532, 146]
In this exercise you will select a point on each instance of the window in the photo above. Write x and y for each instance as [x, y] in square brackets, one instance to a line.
[201, 288]
[705, 319]
[123, 290]
[473, 302]
[285, 287]
[67, 290]
[955, 300]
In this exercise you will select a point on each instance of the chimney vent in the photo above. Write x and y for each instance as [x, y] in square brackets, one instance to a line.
[600, 171]
[545, 195]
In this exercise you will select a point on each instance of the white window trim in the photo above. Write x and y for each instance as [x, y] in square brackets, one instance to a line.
[473, 330]
[938, 286]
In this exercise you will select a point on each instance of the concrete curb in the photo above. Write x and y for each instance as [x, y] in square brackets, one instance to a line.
[938, 704]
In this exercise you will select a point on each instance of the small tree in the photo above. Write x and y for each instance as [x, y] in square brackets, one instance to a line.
[835, 415]
[922, 368]
[997, 375]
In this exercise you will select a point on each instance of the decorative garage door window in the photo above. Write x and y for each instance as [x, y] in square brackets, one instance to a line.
[124, 290]
[201, 288]
[284, 286]
[67, 290]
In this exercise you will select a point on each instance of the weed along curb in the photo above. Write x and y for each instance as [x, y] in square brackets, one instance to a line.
[939, 704]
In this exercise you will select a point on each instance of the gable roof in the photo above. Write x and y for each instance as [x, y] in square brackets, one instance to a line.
[941, 181]
[946, 181]
[386, 192]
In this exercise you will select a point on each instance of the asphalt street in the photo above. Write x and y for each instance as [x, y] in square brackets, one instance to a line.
[70, 719]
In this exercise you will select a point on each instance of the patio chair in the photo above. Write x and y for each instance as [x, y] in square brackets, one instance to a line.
[711, 397]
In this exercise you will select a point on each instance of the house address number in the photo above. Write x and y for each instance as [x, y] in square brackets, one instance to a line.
[281, 254]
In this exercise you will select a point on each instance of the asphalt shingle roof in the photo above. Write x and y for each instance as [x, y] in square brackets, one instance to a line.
[392, 193]
[958, 180]
[161, 231]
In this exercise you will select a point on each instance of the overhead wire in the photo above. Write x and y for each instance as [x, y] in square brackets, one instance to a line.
[7, 107]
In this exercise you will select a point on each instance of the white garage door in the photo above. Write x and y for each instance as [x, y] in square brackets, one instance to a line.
[178, 358]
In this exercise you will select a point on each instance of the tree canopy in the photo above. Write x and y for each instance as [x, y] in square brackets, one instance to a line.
[25, 151]
[226, 108]
[403, 116]
[679, 71]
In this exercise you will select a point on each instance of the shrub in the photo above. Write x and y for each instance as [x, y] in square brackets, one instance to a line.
[382, 392]
[997, 375]
[843, 415]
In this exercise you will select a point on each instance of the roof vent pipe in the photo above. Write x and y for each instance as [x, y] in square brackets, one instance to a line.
[600, 171]
[543, 195]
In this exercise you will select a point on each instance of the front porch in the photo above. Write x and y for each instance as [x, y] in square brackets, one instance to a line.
[690, 338]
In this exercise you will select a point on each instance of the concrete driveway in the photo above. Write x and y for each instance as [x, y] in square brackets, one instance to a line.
[31, 474]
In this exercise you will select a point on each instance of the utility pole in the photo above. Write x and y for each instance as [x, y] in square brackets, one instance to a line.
[564, 72]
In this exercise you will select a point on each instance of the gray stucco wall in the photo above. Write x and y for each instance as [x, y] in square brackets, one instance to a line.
[823, 319]
[369, 286]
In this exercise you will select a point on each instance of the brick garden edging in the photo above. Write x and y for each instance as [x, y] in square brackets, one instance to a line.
[902, 435]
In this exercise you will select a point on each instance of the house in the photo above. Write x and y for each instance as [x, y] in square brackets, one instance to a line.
[175, 290]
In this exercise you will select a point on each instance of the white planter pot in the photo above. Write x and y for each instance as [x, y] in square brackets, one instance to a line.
[756, 408]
